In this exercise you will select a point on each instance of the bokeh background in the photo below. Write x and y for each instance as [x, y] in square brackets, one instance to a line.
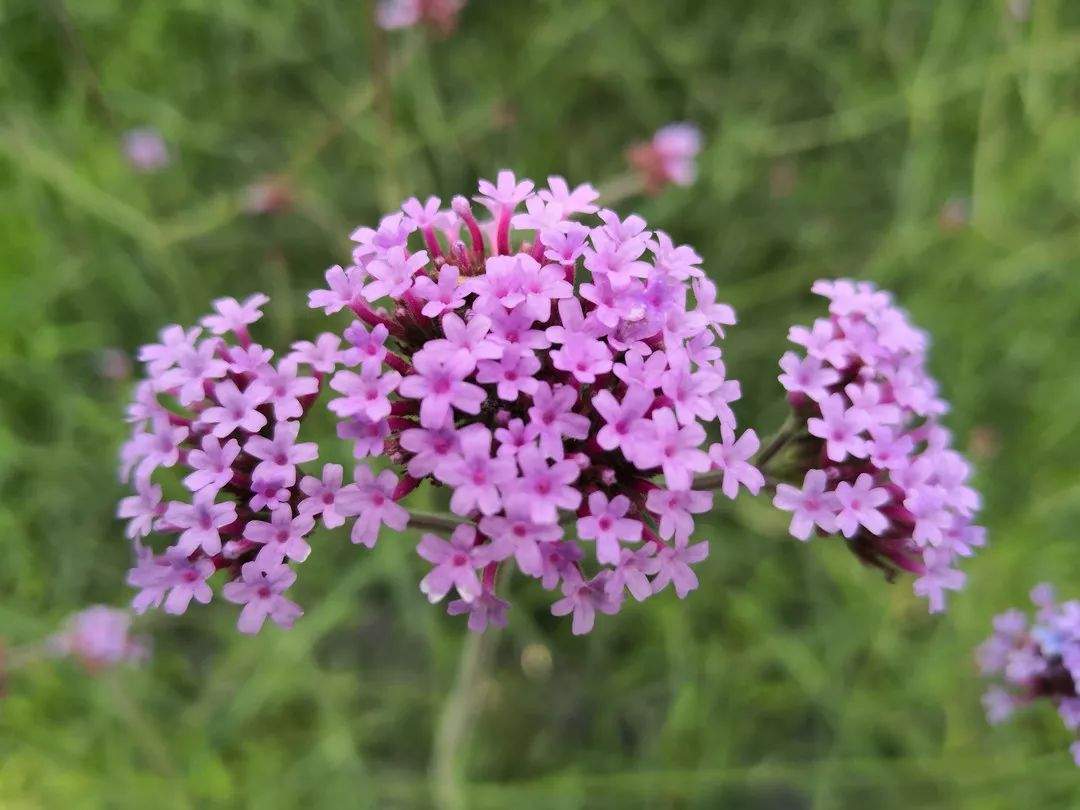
[930, 147]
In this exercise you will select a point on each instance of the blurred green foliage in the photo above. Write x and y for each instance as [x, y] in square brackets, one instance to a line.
[931, 147]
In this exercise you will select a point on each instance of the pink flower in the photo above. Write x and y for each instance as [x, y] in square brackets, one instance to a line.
[429, 446]
[583, 598]
[620, 417]
[584, 359]
[673, 565]
[455, 564]
[367, 435]
[520, 535]
[858, 504]
[822, 342]
[632, 570]
[440, 15]
[160, 448]
[543, 360]
[638, 372]
[607, 524]
[393, 274]
[548, 488]
[810, 506]
[200, 522]
[938, 577]
[323, 355]
[465, 342]
[688, 391]
[366, 393]
[282, 536]
[233, 316]
[368, 348]
[806, 376]
[553, 418]
[663, 443]
[670, 157]
[279, 457]
[440, 385]
[675, 509]
[185, 580]
[506, 193]
[286, 389]
[515, 436]
[840, 427]
[371, 499]
[238, 410]
[99, 637]
[145, 149]
[268, 493]
[512, 373]
[733, 458]
[578, 201]
[346, 289]
[322, 496]
[212, 465]
[677, 146]
[175, 343]
[259, 589]
[216, 437]
[141, 509]
[442, 297]
[475, 476]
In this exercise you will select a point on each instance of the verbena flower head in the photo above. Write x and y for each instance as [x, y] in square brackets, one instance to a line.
[99, 637]
[1036, 660]
[669, 158]
[216, 466]
[553, 369]
[145, 149]
[872, 462]
[439, 15]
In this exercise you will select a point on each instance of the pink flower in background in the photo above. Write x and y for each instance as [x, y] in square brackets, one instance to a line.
[145, 149]
[235, 438]
[439, 15]
[99, 637]
[874, 462]
[669, 158]
[547, 372]
[1033, 662]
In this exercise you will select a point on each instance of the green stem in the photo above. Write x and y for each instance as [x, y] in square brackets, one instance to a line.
[619, 188]
[788, 431]
[430, 520]
[456, 721]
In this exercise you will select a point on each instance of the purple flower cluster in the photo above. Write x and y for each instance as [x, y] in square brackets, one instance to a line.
[1040, 660]
[99, 637]
[878, 466]
[218, 422]
[669, 158]
[549, 373]
[439, 15]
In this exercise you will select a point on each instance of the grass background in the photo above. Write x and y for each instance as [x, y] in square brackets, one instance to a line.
[931, 147]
